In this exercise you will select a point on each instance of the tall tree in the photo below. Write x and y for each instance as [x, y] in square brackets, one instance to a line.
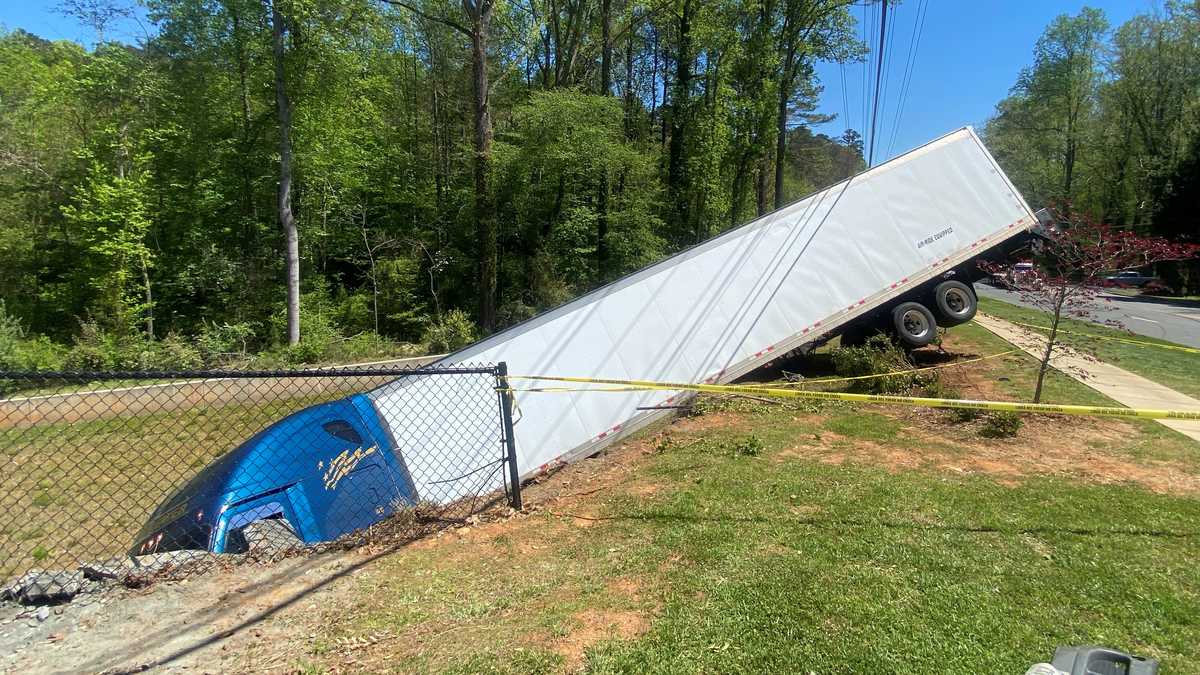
[1052, 103]
[286, 218]
[810, 29]
[477, 28]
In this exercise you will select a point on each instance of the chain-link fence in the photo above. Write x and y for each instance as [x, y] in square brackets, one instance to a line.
[125, 475]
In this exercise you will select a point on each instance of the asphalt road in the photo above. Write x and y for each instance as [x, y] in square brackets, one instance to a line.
[1178, 322]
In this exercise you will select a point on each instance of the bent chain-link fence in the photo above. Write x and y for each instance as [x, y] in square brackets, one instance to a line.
[128, 475]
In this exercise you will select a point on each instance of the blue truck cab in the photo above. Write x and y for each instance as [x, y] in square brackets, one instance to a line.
[326, 470]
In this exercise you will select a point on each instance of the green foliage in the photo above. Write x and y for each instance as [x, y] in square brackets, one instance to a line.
[18, 352]
[100, 349]
[878, 356]
[138, 187]
[452, 331]
[1101, 123]
[747, 446]
[225, 342]
[1001, 424]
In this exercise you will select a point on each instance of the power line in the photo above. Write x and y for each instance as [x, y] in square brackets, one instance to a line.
[878, 81]
[845, 96]
[889, 61]
[914, 48]
[868, 31]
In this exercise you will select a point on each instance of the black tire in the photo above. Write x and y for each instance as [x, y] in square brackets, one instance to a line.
[914, 325]
[955, 302]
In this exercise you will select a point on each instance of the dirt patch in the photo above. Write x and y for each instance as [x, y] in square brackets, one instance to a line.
[595, 626]
[1046, 446]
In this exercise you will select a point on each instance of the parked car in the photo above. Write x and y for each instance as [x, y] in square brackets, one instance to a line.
[1132, 279]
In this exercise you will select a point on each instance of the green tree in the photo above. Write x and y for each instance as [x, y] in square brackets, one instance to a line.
[1041, 128]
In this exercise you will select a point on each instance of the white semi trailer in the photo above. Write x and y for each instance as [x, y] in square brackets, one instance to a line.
[895, 247]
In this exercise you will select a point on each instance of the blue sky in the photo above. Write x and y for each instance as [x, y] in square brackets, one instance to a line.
[969, 57]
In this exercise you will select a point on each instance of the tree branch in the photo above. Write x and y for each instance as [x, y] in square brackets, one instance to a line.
[445, 21]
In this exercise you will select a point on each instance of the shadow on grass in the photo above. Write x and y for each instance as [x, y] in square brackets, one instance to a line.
[126, 659]
[848, 523]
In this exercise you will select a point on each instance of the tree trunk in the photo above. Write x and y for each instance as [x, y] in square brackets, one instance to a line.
[602, 187]
[781, 137]
[629, 126]
[480, 12]
[605, 47]
[372, 276]
[1045, 364]
[676, 172]
[760, 187]
[286, 218]
[149, 299]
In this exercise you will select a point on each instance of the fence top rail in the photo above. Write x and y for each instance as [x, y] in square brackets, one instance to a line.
[92, 376]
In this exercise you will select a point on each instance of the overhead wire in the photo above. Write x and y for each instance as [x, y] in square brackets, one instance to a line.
[868, 31]
[914, 49]
[879, 64]
[889, 62]
[845, 97]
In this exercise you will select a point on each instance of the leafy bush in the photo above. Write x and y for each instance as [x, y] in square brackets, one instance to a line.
[18, 352]
[454, 330]
[173, 352]
[97, 349]
[748, 446]
[317, 326]
[1001, 425]
[879, 355]
[225, 342]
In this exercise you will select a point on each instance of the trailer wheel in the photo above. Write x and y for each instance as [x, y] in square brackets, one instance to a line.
[956, 303]
[914, 324]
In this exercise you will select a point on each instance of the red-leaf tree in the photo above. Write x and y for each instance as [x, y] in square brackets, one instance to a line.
[1074, 258]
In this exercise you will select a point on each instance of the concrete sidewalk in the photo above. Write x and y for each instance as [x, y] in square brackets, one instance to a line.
[1120, 385]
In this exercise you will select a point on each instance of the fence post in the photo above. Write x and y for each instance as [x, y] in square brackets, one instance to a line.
[510, 441]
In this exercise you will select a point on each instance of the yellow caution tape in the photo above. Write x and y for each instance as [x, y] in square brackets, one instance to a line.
[1007, 406]
[1178, 348]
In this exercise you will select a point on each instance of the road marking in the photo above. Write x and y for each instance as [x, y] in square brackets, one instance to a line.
[1193, 317]
[1143, 319]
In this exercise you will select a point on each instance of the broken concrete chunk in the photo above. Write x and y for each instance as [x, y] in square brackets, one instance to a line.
[154, 563]
[102, 570]
[271, 536]
[40, 587]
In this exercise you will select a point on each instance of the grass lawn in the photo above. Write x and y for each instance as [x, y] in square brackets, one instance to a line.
[797, 538]
[80, 491]
[1175, 369]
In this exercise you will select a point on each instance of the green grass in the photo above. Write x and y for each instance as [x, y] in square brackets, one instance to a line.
[783, 563]
[1177, 370]
[80, 491]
